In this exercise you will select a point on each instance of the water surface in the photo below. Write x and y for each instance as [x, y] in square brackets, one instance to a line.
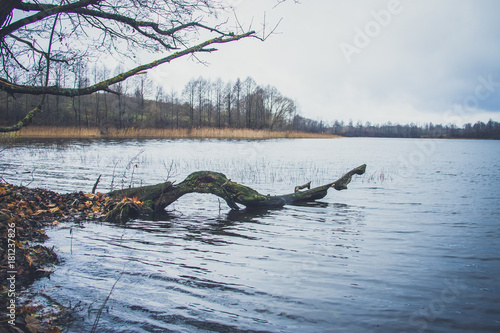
[411, 246]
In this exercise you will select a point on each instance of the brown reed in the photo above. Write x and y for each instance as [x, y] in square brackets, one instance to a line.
[44, 132]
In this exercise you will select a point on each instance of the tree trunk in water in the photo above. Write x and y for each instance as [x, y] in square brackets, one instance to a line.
[153, 199]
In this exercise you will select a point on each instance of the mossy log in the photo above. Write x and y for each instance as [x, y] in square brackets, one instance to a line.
[154, 198]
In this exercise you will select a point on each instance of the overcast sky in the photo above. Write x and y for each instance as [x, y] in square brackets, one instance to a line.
[398, 60]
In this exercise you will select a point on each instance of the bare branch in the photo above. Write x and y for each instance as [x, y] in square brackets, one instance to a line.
[24, 122]
[72, 31]
[36, 50]
[273, 30]
[12, 56]
[45, 11]
[6, 8]
[279, 2]
[104, 85]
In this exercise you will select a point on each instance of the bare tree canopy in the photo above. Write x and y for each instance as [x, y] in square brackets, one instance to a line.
[38, 39]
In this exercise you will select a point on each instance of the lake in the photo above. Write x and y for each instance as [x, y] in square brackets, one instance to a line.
[412, 246]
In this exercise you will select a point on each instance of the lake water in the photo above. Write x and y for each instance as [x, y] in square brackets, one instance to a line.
[412, 246]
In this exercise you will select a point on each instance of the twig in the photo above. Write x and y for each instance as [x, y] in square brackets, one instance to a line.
[32, 177]
[264, 37]
[71, 242]
[113, 178]
[131, 164]
[96, 183]
[237, 21]
[132, 176]
[171, 170]
[98, 317]
[99, 312]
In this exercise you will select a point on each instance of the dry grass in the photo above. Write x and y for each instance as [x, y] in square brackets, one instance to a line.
[195, 133]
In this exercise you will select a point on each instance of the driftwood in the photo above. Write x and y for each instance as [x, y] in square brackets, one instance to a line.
[150, 200]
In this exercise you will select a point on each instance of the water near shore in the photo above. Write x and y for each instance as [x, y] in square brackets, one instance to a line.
[411, 246]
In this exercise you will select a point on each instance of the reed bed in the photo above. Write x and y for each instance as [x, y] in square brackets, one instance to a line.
[154, 133]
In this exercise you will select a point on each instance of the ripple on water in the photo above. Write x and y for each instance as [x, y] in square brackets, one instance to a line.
[401, 250]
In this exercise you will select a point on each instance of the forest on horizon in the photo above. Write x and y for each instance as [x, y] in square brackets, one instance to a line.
[205, 103]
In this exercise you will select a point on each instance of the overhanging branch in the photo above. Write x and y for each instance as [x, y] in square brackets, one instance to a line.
[81, 8]
[24, 122]
[44, 11]
[13, 88]
[36, 50]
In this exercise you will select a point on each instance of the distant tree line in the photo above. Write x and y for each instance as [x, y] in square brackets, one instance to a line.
[479, 130]
[201, 103]
[143, 104]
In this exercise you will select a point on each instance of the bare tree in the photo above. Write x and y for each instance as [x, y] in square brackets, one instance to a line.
[228, 92]
[271, 94]
[174, 108]
[35, 35]
[141, 92]
[103, 74]
[189, 93]
[121, 89]
[249, 100]
[209, 102]
[237, 100]
[200, 89]
[218, 100]
[158, 114]
[96, 76]
[284, 110]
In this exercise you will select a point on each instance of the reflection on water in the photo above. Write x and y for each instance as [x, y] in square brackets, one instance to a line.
[413, 252]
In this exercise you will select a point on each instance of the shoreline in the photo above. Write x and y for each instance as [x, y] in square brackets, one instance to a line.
[49, 132]
[25, 214]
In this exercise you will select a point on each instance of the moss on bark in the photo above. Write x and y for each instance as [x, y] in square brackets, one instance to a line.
[155, 198]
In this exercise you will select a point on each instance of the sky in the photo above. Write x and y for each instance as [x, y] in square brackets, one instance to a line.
[399, 61]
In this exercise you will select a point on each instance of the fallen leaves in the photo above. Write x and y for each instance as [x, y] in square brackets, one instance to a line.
[25, 212]
[40, 314]
[31, 210]
[33, 324]
[121, 211]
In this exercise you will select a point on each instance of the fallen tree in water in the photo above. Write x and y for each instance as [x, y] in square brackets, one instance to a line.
[153, 199]
[25, 212]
